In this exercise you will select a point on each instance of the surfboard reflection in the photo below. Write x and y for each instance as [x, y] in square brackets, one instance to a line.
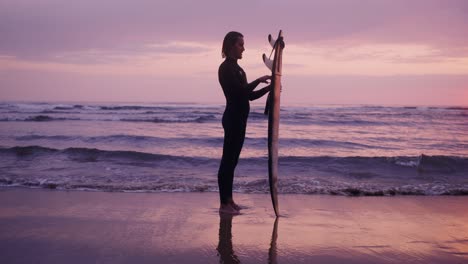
[225, 248]
[272, 252]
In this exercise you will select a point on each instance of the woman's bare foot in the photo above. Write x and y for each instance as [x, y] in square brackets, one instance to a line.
[228, 209]
[235, 206]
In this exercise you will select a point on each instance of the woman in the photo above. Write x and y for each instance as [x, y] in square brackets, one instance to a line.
[238, 93]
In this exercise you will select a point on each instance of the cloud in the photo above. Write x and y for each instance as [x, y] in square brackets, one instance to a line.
[154, 52]
[178, 47]
[362, 89]
[168, 59]
[40, 29]
[389, 53]
[364, 59]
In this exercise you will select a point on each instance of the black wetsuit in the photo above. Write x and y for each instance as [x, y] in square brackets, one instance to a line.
[238, 93]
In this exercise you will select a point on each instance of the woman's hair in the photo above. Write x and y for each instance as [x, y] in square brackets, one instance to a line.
[229, 41]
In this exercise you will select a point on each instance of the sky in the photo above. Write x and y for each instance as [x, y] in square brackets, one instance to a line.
[377, 52]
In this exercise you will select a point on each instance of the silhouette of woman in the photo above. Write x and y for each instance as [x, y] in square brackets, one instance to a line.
[238, 93]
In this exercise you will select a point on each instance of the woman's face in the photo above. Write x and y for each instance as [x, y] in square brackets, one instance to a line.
[237, 49]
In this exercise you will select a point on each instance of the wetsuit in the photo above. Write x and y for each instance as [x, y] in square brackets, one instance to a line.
[238, 93]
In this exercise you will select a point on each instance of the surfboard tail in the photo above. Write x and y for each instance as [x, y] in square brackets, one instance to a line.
[274, 199]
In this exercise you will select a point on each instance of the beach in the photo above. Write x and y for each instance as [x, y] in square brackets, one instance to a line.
[53, 226]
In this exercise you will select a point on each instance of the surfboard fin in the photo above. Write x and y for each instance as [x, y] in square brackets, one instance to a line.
[267, 61]
[271, 40]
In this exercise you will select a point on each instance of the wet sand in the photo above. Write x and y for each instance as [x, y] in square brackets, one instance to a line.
[51, 226]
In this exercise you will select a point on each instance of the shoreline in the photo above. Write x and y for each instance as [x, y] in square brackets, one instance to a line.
[56, 226]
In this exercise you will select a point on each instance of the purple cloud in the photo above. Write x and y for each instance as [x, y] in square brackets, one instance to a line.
[40, 29]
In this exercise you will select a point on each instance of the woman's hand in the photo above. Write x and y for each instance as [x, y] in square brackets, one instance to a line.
[264, 79]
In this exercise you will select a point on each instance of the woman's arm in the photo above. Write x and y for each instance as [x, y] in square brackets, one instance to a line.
[254, 95]
[251, 86]
[235, 87]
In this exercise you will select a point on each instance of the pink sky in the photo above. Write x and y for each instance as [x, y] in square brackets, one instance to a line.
[337, 51]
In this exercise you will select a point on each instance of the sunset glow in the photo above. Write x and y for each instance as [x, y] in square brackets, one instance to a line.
[153, 47]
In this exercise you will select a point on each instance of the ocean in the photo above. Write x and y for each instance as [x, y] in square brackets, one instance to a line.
[347, 150]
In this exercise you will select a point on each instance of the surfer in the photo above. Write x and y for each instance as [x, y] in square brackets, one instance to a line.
[238, 93]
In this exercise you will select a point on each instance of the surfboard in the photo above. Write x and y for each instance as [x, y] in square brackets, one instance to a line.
[272, 109]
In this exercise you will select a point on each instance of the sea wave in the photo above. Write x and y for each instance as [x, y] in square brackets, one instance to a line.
[113, 170]
[339, 116]
[420, 164]
[36, 118]
[178, 119]
[175, 119]
[122, 139]
[93, 154]
[103, 108]
[285, 186]
[69, 107]
[206, 141]
[133, 107]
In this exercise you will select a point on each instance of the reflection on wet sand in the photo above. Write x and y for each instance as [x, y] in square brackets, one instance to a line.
[272, 253]
[225, 248]
[72, 227]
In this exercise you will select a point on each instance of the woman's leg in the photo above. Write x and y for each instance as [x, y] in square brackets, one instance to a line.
[238, 148]
[233, 141]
